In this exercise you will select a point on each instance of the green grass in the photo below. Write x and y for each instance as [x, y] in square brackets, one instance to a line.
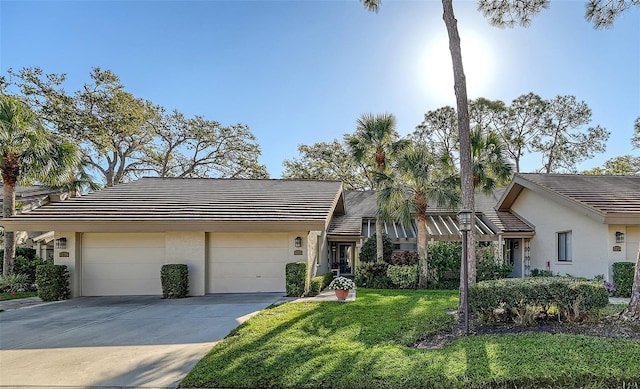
[365, 344]
[20, 295]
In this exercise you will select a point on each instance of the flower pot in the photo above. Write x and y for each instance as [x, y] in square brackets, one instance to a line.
[342, 294]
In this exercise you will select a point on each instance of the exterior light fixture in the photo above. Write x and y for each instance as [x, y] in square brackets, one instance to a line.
[464, 221]
[298, 241]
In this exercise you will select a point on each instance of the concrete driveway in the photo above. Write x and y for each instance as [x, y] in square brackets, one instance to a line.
[132, 341]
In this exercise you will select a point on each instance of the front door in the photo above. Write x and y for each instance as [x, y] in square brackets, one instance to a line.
[346, 258]
[514, 257]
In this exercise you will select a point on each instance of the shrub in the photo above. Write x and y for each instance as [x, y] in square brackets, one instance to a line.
[406, 257]
[445, 258]
[26, 265]
[540, 273]
[403, 277]
[368, 249]
[175, 280]
[317, 284]
[524, 301]
[373, 275]
[623, 273]
[488, 267]
[296, 274]
[53, 282]
[15, 283]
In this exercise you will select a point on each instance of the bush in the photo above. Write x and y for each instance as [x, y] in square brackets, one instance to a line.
[317, 284]
[403, 277]
[296, 274]
[540, 273]
[445, 259]
[15, 283]
[406, 257]
[623, 273]
[488, 267]
[26, 265]
[368, 249]
[524, 301]
[175, 280]
[373, 275]
[53, 282]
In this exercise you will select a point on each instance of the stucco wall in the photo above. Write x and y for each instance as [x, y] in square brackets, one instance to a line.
[188, 248]
[72, 260]
[590, 239]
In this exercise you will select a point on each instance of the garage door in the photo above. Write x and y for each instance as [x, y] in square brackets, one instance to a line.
[241, 262]
[633, 243]
[122, 264]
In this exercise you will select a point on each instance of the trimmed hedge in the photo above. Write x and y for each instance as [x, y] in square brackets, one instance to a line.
[524, 301]
[403, 277]
[296, 274]
[373, 275]
[623, 273]
[318, 283]
[175, 280]
[53, 282]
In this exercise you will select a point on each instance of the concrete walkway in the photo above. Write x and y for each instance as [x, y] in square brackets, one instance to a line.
[124, 341]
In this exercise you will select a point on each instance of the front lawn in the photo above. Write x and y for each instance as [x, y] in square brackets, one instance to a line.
[366, 344]
[18, 295]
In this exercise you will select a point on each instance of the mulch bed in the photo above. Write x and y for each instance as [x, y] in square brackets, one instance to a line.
[609, 327]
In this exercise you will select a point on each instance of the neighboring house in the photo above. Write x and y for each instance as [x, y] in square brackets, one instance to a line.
[583, 223]
[235, 235]
[29, 198]
[347, 232]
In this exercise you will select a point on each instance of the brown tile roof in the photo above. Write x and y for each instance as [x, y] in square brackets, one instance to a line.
[30, 197]
[607, 198]
[200, 200]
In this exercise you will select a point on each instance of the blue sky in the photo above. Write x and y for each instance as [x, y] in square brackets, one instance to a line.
[300, 72]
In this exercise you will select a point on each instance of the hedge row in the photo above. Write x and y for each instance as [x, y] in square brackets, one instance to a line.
[296, 274]
[53, 282]
[623, 273]
[317, 284]
[174, 278]
[525, 301]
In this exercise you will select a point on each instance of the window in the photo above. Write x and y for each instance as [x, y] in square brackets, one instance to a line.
[619, 237]
[564, 246]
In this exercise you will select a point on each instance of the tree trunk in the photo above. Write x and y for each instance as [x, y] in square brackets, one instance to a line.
[466, 168]
[8, 210]
[423, 275]
[379, 245]
[633, 311]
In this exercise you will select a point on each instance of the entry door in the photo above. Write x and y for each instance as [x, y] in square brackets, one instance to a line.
[514, 257]
[346, 258]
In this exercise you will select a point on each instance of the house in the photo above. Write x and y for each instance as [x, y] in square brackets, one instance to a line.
[235, 235]
[29, 198]
[583, 223]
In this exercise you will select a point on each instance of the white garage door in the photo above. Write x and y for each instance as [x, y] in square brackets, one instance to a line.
[242, 262]
[122, 264]
[633, 243]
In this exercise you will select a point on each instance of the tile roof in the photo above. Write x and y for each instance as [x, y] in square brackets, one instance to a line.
[30, 197]
[200, 200]
[606, 199]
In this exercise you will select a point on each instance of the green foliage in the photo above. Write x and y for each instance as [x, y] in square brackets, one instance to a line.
[403, 277]
[318, 283]
[445, 259]
[623, 273]
[15, 283]
[53, 282]
[488, 267]
[524, 301]
[17, 295]
[406, 257]
[541, 273]
[26, 262]
[175, 280]
[368, 249]
[296, 274]
[364, 344]
[373, 275]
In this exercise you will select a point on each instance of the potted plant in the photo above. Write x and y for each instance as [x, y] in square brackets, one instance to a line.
[342, 286]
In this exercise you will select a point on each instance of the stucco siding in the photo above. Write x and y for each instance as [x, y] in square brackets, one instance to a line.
[188, 248]
[633, 243]
[589, 239]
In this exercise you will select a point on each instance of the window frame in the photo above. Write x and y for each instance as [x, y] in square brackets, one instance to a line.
[564, 246]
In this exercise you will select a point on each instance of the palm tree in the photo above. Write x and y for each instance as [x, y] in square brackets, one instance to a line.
[28, 152]
[374, 140]
[490, 165]
[420, 177]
